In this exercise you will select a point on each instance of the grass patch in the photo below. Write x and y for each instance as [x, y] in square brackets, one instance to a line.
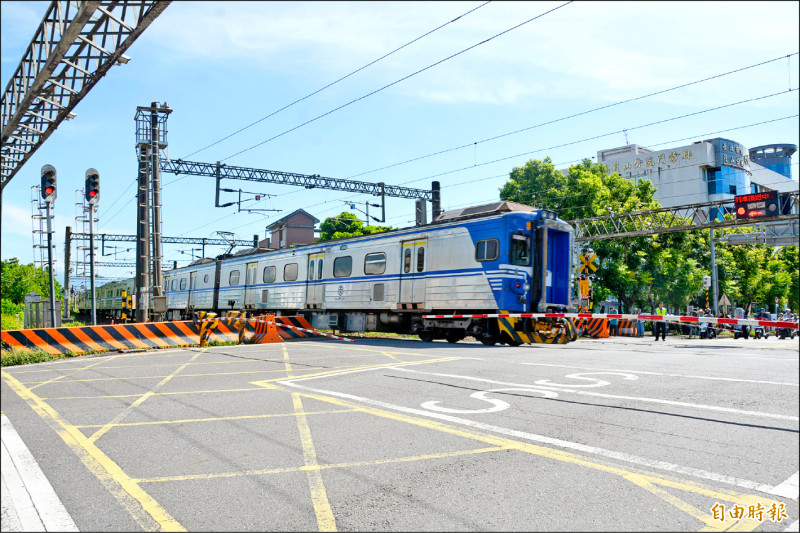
[17, 356]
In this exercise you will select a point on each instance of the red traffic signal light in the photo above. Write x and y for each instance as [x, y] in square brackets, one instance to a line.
[92, 187]
[48, 187]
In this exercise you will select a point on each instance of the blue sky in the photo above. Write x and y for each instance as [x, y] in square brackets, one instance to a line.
[222, 66]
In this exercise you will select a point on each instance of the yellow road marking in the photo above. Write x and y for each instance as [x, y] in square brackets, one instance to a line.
[345, 369]
[117, 419]
[140, 505]
[39, 383]
[568, 457]
[216, 419]
[176, 393]
[148, 364]
[319, 497]
[306, 468]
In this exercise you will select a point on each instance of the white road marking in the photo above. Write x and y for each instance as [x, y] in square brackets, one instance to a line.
[593, 450]
[36, 503]
[499, 405]
[595, 382]
[789, 488]
[612, 396]
[670, 375]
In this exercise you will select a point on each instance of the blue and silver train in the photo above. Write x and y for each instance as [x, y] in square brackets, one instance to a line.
[496, 258]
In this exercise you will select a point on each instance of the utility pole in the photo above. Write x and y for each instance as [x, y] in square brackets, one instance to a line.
[151, 138]
[48, 192]
[67, 259]
[142, 279]
[91, 192]
[714, 280]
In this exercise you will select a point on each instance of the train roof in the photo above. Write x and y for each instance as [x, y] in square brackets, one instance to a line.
[494, 208]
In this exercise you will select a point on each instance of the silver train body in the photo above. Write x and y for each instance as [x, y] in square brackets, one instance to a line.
[488, 260]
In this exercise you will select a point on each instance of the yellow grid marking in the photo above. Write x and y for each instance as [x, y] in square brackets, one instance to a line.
[346, 369]
[117, 419]
[146, 511]
[216, 419]
[319, 497]
[640, 479]
[306, 468]
[39, 383]
[112, 396]
[150, 365]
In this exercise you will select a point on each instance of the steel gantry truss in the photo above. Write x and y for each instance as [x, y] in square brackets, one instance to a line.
[74, 46]
[309, 181]
[679, 218]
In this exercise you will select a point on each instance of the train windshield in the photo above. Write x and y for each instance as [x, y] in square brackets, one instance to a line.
[520, 250]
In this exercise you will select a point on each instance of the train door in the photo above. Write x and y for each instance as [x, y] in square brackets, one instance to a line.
[315, 290]
[412, 272]
[249, 282]
[190, 303]
[553, 268]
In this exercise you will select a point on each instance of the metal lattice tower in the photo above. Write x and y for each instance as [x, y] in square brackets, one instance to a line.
[39, 229]
[73, 48]
[82, 258]
[151, 143]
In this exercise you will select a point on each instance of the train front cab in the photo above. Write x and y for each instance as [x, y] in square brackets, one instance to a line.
[550, 241]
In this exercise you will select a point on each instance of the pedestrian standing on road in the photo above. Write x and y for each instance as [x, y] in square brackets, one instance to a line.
[660, 326]
[639, 323]
[613, 324]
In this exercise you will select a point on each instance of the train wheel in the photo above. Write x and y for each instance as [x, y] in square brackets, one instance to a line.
[426, 335]
[488, 339]
[454, 336]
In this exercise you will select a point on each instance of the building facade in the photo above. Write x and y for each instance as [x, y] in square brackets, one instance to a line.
[709, 170]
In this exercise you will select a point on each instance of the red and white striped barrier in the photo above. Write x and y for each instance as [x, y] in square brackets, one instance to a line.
[666, 318]
[279, 324]
[312, 331]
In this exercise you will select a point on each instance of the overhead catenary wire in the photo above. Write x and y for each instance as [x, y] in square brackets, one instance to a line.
[398, 81]
[287, 106]
[574, 115]
[655, 93]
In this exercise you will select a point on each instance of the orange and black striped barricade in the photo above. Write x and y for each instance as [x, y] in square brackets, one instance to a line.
[265, 330]
[627, 328]
[595, 327]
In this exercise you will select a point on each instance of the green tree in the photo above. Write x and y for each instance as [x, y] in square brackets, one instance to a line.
[637, 271]
[17, 280]
[346, 224]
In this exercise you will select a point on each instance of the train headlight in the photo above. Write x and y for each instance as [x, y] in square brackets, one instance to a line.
[527, 287]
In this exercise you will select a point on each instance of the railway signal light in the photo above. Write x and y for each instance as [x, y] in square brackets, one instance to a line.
[92, 188]
[48, 190]
[757, 205]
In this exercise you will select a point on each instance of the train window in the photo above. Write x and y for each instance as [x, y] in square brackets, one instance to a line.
[183, 284]
[375, 263]
[342, 266]
[173, 284]
[377, 292]
[487, 250]
[269, 274]
[290, 272]
[407, 260]
[311, 270]
[520, 250]
[205, 278]
[319, 268]
[420, 259]
[233, 278]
